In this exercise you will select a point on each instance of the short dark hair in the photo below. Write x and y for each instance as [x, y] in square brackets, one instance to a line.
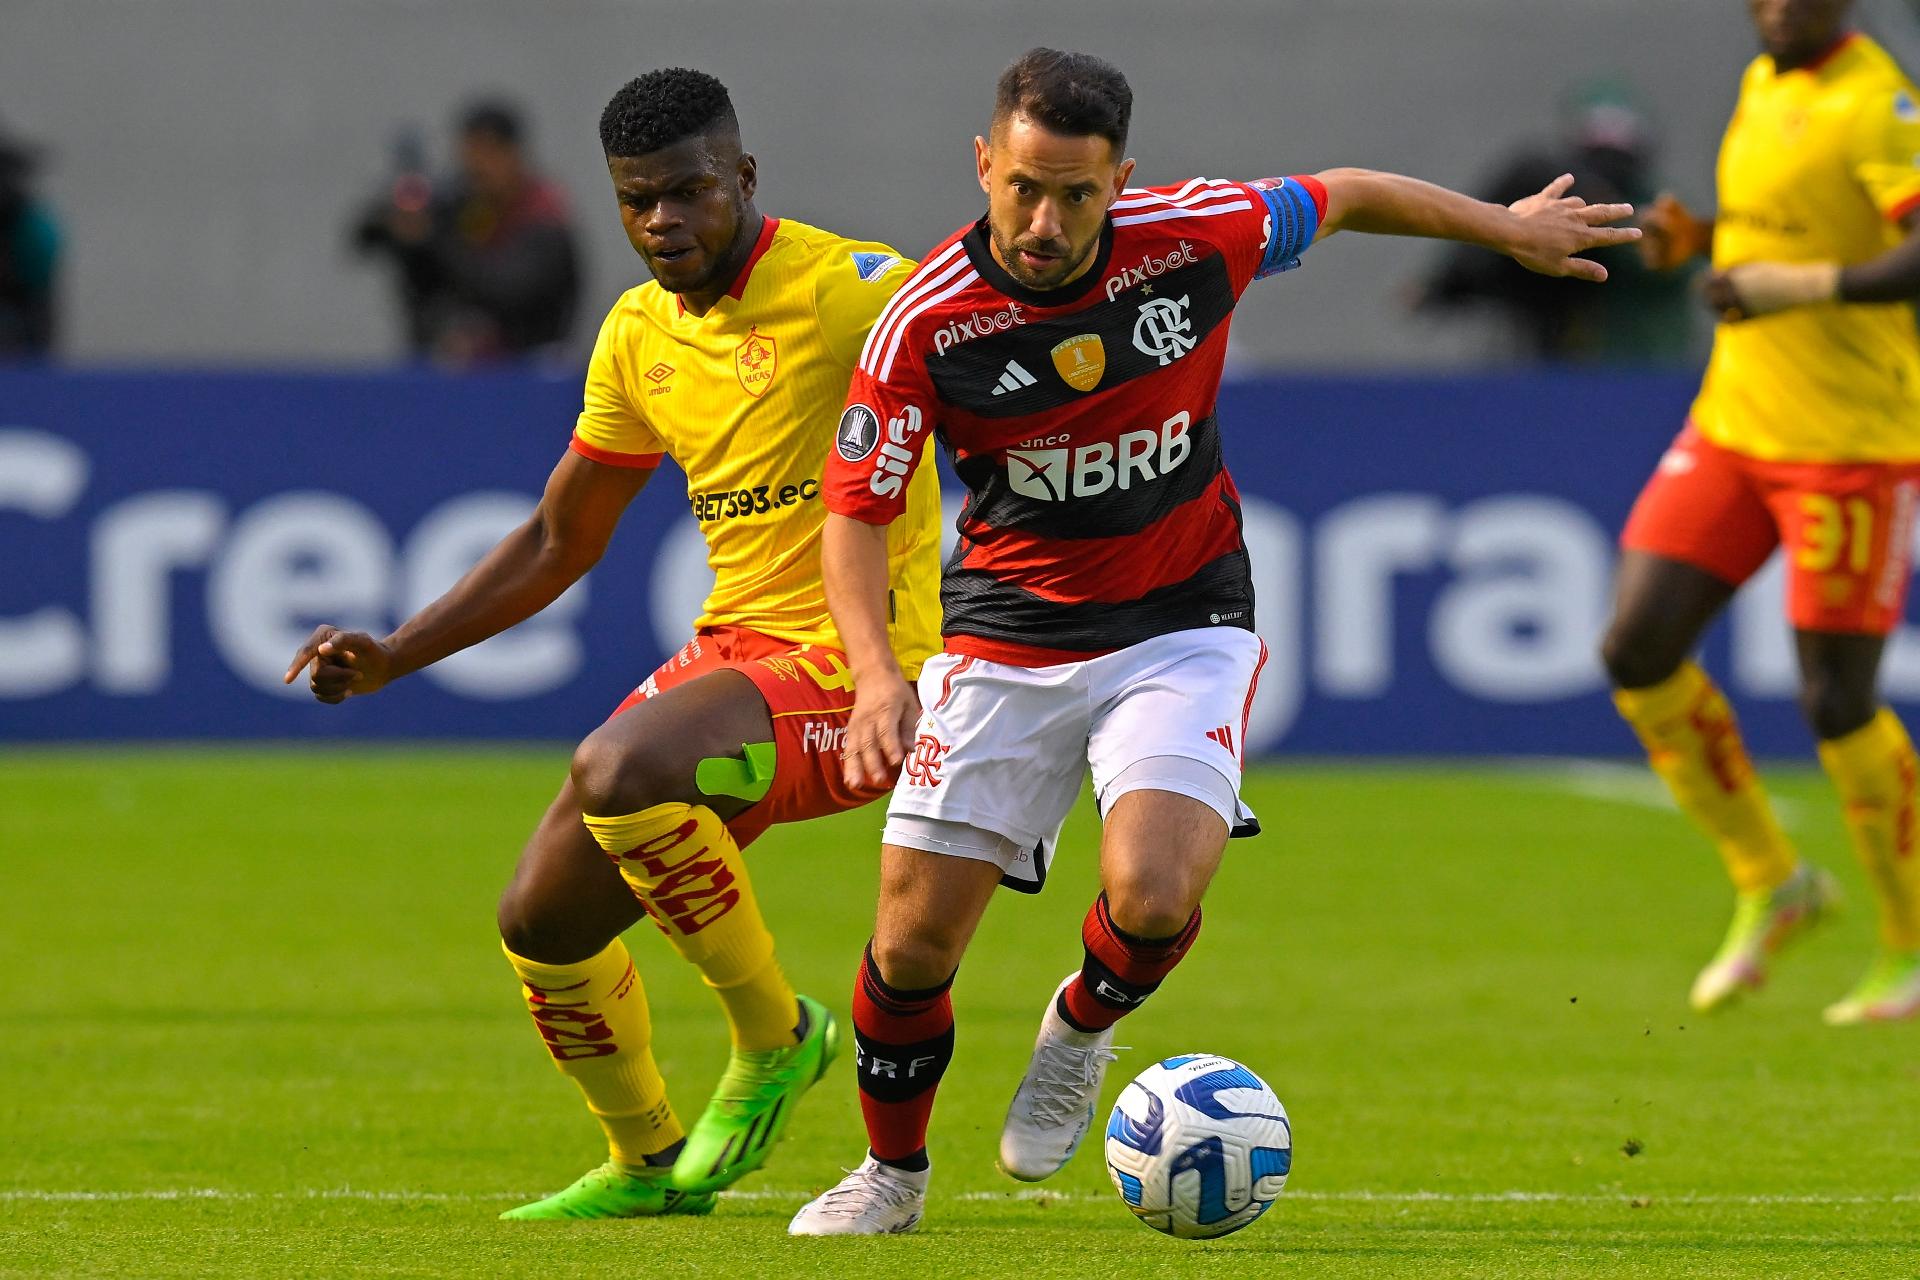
[1071, 93]
[495, 117]
[661, 107]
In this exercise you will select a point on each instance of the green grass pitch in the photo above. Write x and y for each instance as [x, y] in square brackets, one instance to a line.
[255, 1023]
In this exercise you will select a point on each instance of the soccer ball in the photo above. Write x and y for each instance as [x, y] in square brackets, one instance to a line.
[1198, 1146]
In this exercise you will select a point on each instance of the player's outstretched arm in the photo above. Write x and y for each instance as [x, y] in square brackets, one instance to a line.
[1542, 232]
[1672, 234]
[526, 572]
[1763, 288]
[853, 567]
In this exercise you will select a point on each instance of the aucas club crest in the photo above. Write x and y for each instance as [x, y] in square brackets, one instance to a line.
[754, 362]
[1080, 361]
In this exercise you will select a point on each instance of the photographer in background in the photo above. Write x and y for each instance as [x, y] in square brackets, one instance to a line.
[487, 266]
[1642, 317]
[29, 257]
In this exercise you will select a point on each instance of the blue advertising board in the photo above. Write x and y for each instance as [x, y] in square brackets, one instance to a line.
[1432, 558]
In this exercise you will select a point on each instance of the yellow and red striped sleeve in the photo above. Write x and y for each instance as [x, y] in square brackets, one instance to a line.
[1886, 150]
[611, 428]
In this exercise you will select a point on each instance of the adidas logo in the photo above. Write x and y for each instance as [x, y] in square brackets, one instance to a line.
[1013, 378]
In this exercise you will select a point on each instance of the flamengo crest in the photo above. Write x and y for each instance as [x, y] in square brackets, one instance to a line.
[1163, 329]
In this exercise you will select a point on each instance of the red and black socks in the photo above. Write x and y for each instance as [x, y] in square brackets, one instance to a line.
[903, 1042]
[1121, 969]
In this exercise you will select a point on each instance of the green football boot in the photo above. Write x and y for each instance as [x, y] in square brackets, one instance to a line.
[1889, 992]
[753, 1103]
[614, 1191]
[1763, 923]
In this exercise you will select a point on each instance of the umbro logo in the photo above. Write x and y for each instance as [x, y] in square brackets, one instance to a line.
[1013, 378]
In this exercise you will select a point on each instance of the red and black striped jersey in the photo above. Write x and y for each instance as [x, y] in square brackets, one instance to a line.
[1081, 420]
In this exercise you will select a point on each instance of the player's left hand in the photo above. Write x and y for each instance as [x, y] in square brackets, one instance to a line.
[1555, 226]
[880, 731]
[1763, 288]
[341, 664]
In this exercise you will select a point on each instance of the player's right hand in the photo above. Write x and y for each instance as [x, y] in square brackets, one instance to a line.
[1557, 227]
[1673, 234]
[879, 732]
[345, 664]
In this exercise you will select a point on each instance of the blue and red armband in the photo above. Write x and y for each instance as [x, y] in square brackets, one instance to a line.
[1295, 207]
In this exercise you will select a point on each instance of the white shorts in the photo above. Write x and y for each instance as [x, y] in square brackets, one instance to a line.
[1002, 748]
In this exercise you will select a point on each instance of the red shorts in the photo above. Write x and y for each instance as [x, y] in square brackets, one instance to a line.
[1847, 528]
[809, 693]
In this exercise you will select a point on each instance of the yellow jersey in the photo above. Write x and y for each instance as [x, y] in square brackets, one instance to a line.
[745, 399]
[1818, 164]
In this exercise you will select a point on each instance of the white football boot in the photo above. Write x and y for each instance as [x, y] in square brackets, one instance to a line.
[1053, 1108]
[874, 1200]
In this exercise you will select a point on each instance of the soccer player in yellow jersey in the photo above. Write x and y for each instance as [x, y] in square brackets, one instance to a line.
[733, 361]
[1805, 435]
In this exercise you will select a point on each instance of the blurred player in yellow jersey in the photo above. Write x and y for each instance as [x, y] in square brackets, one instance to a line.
[1806, 436]
[733, 362]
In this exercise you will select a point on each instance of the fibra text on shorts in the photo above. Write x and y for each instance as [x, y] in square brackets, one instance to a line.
[818, 735]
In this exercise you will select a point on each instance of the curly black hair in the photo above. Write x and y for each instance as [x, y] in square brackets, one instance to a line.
[661, 107]
[1070, 93]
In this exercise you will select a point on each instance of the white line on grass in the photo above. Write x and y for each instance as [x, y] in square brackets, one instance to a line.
[1333, 1197]
[1626, 784]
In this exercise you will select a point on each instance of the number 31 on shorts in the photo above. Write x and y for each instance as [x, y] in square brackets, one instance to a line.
[1832, 529]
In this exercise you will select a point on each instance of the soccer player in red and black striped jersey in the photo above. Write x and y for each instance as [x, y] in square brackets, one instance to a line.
[1066, 350]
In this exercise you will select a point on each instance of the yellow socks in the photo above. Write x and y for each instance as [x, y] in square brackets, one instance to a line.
[593, 1016]
[683, 865]
[1874, 770]
[1693, 742]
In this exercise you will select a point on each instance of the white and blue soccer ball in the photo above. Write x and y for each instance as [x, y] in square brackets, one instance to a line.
[1198, 1146]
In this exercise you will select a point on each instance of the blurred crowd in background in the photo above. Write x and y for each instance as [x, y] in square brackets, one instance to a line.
[276, 186]
[484, 262]
[486, 267]
[1642, 316]
[29, 255]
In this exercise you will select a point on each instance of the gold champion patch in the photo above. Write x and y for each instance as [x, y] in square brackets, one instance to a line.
[1080, 361]
[754, 362]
